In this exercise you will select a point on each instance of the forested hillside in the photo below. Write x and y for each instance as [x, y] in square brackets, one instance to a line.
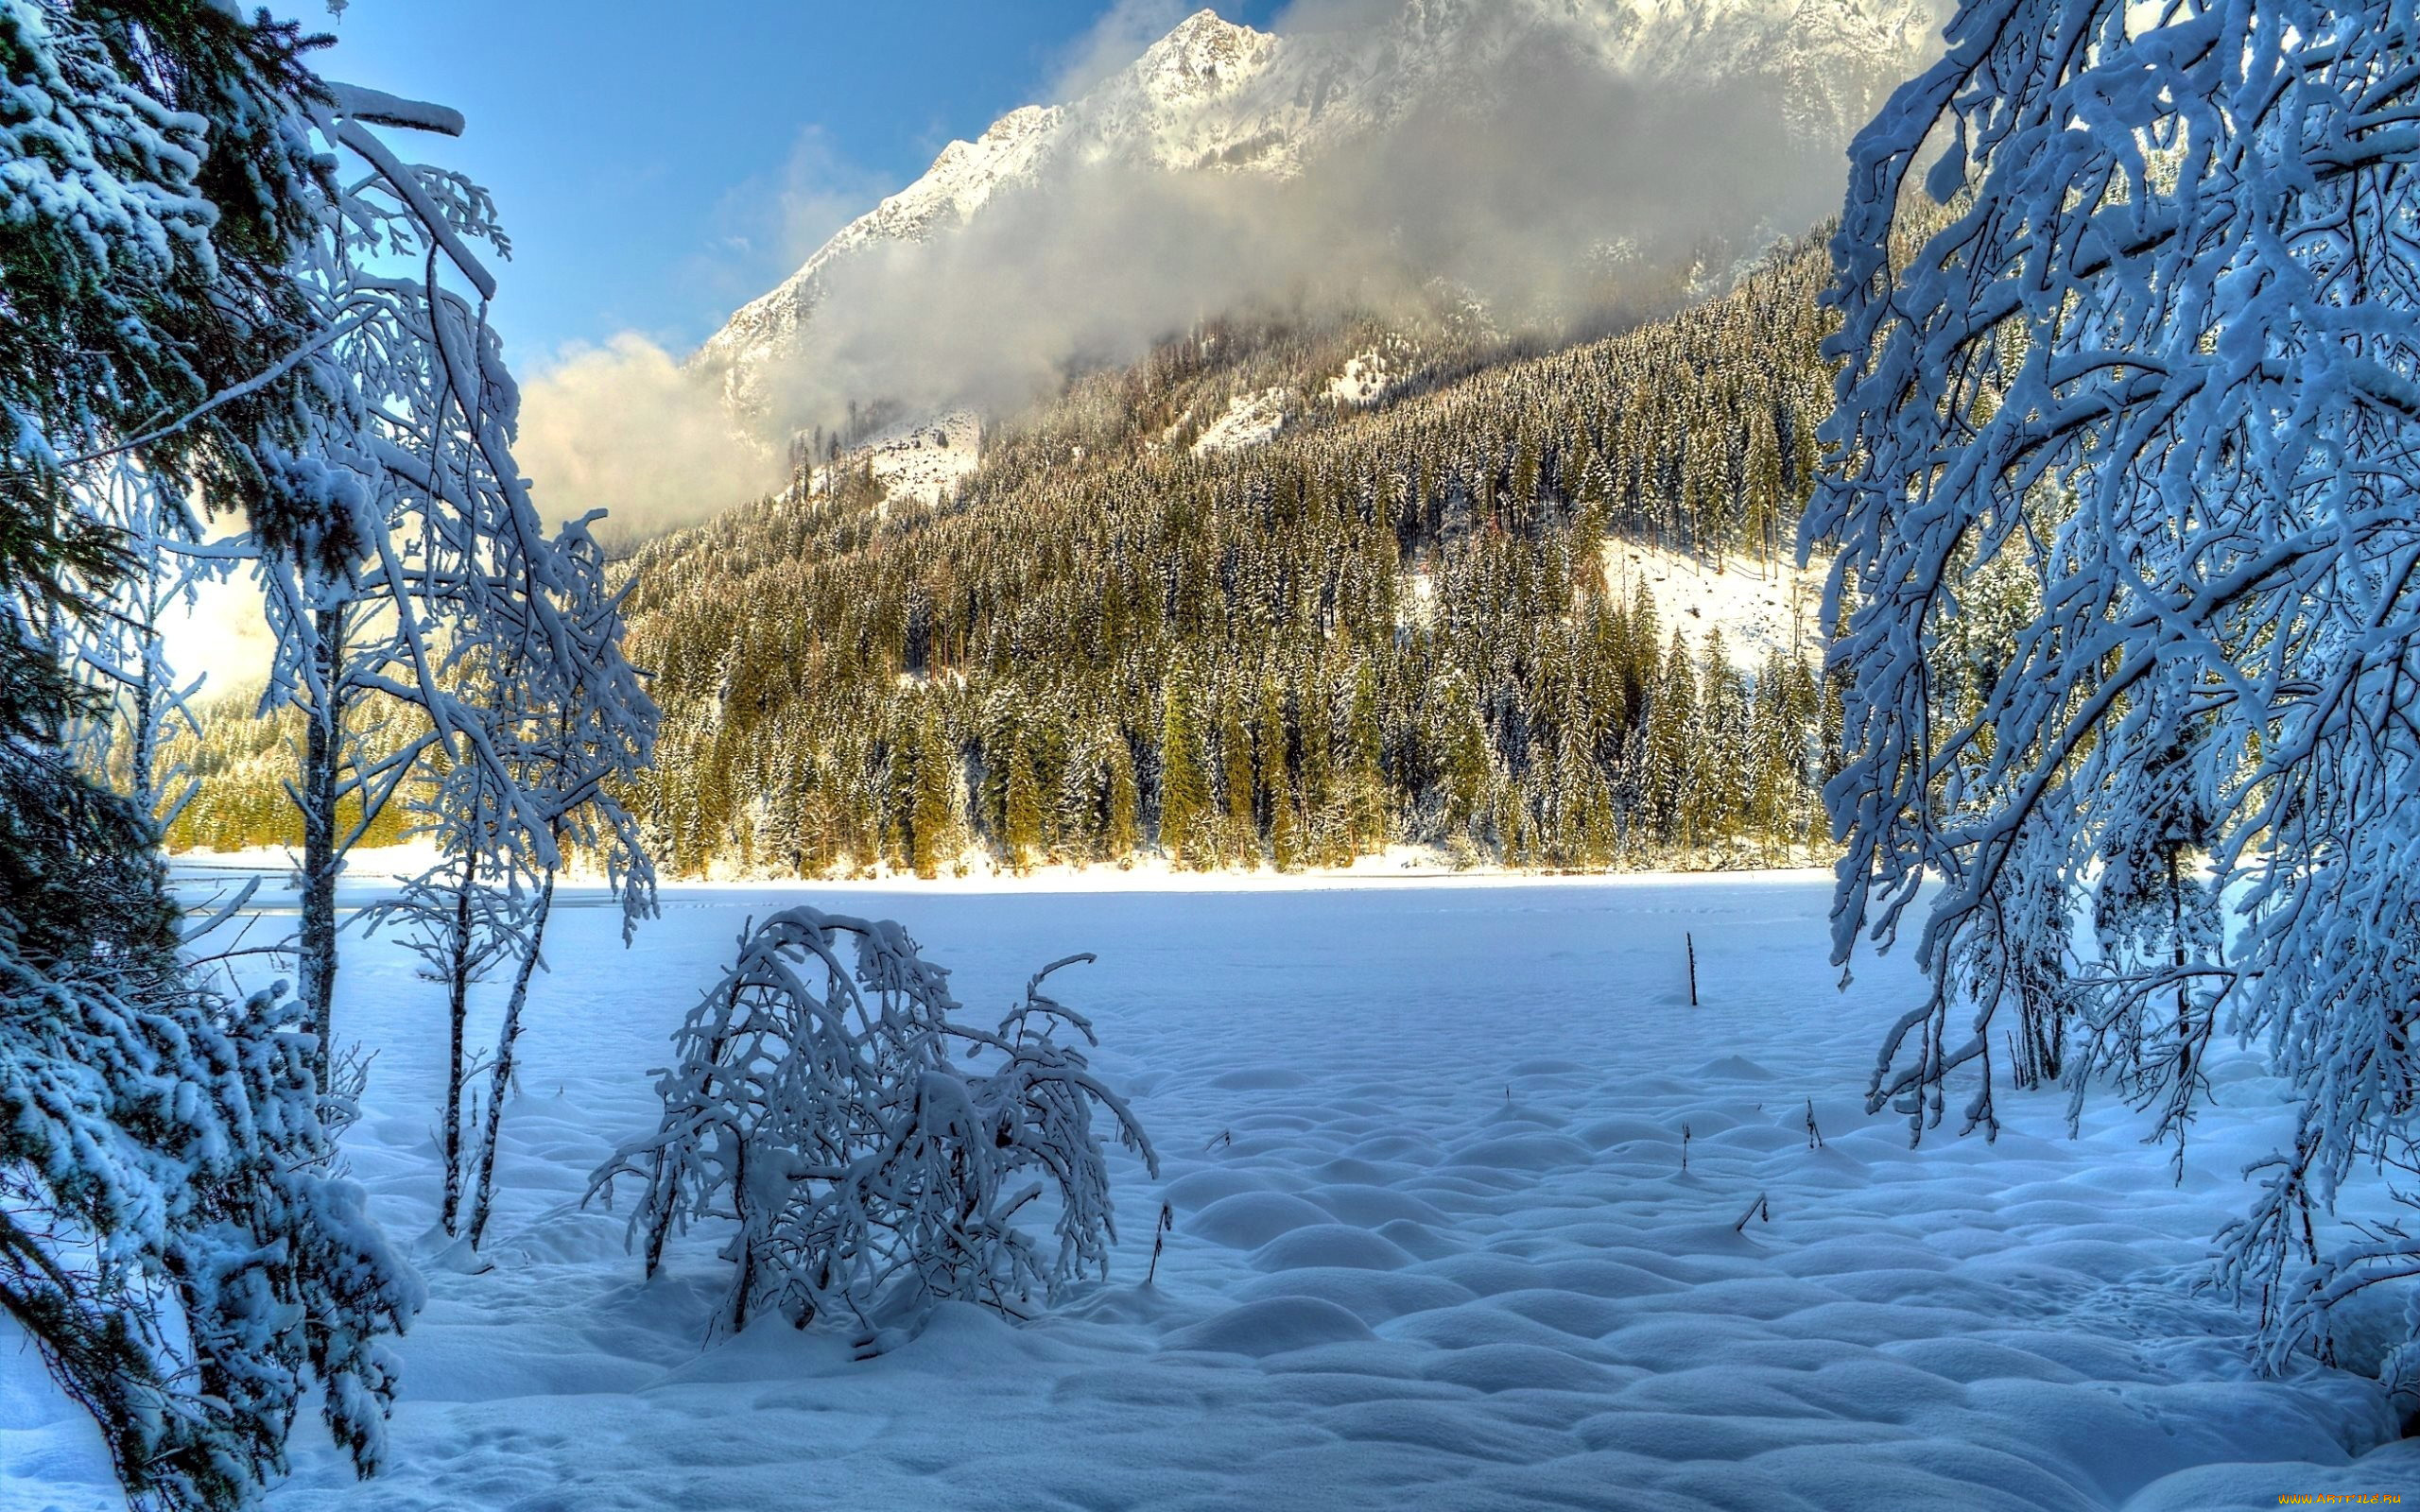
[1145, 625]
[1389, 622]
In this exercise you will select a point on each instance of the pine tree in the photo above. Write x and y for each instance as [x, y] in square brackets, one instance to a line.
[1234, 749]
[931, 823]
[1715, 792]
[1122, 832]
[1466, 767]
[1024, 836]
[1365, 783]
[1185, 808]
[1644, 640]
[1671, 728]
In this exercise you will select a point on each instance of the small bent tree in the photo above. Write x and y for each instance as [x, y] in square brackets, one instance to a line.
[567, 719]
[816, 1102]
[570, 727]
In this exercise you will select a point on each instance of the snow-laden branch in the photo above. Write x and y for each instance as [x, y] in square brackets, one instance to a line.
[2122, 502]
[821, 1094]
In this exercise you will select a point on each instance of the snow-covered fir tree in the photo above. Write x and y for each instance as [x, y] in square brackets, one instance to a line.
[173, 1238]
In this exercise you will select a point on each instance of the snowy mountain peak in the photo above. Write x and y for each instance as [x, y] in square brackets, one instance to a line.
[961, 180]
[1203, 56]
[1213, 97]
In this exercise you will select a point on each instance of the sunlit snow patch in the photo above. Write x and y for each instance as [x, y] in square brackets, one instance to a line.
[1760, 608]
[1363, 381]
[923, 462]
[1250, 420]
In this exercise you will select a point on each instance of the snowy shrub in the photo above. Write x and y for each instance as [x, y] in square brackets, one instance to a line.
[815, 1102]
[2147, 371]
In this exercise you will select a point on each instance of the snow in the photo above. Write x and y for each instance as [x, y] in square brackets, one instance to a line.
[1248, 421]
[1758, 610]
[961, 180]
[1213, 97]
[1364, 380]
[921, 461]
[1433, 1247]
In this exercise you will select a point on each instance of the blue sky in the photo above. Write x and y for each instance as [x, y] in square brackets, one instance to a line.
[659, 164]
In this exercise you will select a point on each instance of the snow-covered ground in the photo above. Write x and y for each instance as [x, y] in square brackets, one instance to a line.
[1364, 380]
[1434, 1244]
[923, 460]
[1758, 611]
[1248, 421]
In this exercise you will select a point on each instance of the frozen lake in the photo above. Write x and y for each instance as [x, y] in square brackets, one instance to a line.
[1434, 1245]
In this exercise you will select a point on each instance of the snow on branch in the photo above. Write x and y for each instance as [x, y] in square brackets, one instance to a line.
[379, 108]
[875, 1153]
[2126, 579]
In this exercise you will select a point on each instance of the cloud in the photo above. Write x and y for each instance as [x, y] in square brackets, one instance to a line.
[1519, 172]
[622, 428]
[1119, 37]
[1536, 182]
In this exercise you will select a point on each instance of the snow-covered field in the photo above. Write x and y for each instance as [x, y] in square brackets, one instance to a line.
[1434, 1244]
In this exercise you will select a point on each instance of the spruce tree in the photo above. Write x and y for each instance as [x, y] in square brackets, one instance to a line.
[1185, 808]
[931, 826]
[1365, 782]
[1235, 753]
[1024, 804]
[1672, 729]
[1122, 829]
[1466, 767]
[1719, 750]
[1583, 817]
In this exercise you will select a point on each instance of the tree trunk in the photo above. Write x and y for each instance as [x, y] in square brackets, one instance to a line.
[500, 1078]
[316, 954]
[2176, 946]
[143, 722]
[458, 1012]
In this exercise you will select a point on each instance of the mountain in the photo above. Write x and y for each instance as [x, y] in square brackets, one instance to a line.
[1353, 589]
[1522, 609]
[1216, 99]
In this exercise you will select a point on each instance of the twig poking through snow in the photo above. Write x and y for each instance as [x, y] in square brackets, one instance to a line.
[1159, 1240]
[1758, 1209]
[1814, 1135]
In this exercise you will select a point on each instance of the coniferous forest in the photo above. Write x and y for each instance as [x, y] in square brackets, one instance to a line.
[1399, 621]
